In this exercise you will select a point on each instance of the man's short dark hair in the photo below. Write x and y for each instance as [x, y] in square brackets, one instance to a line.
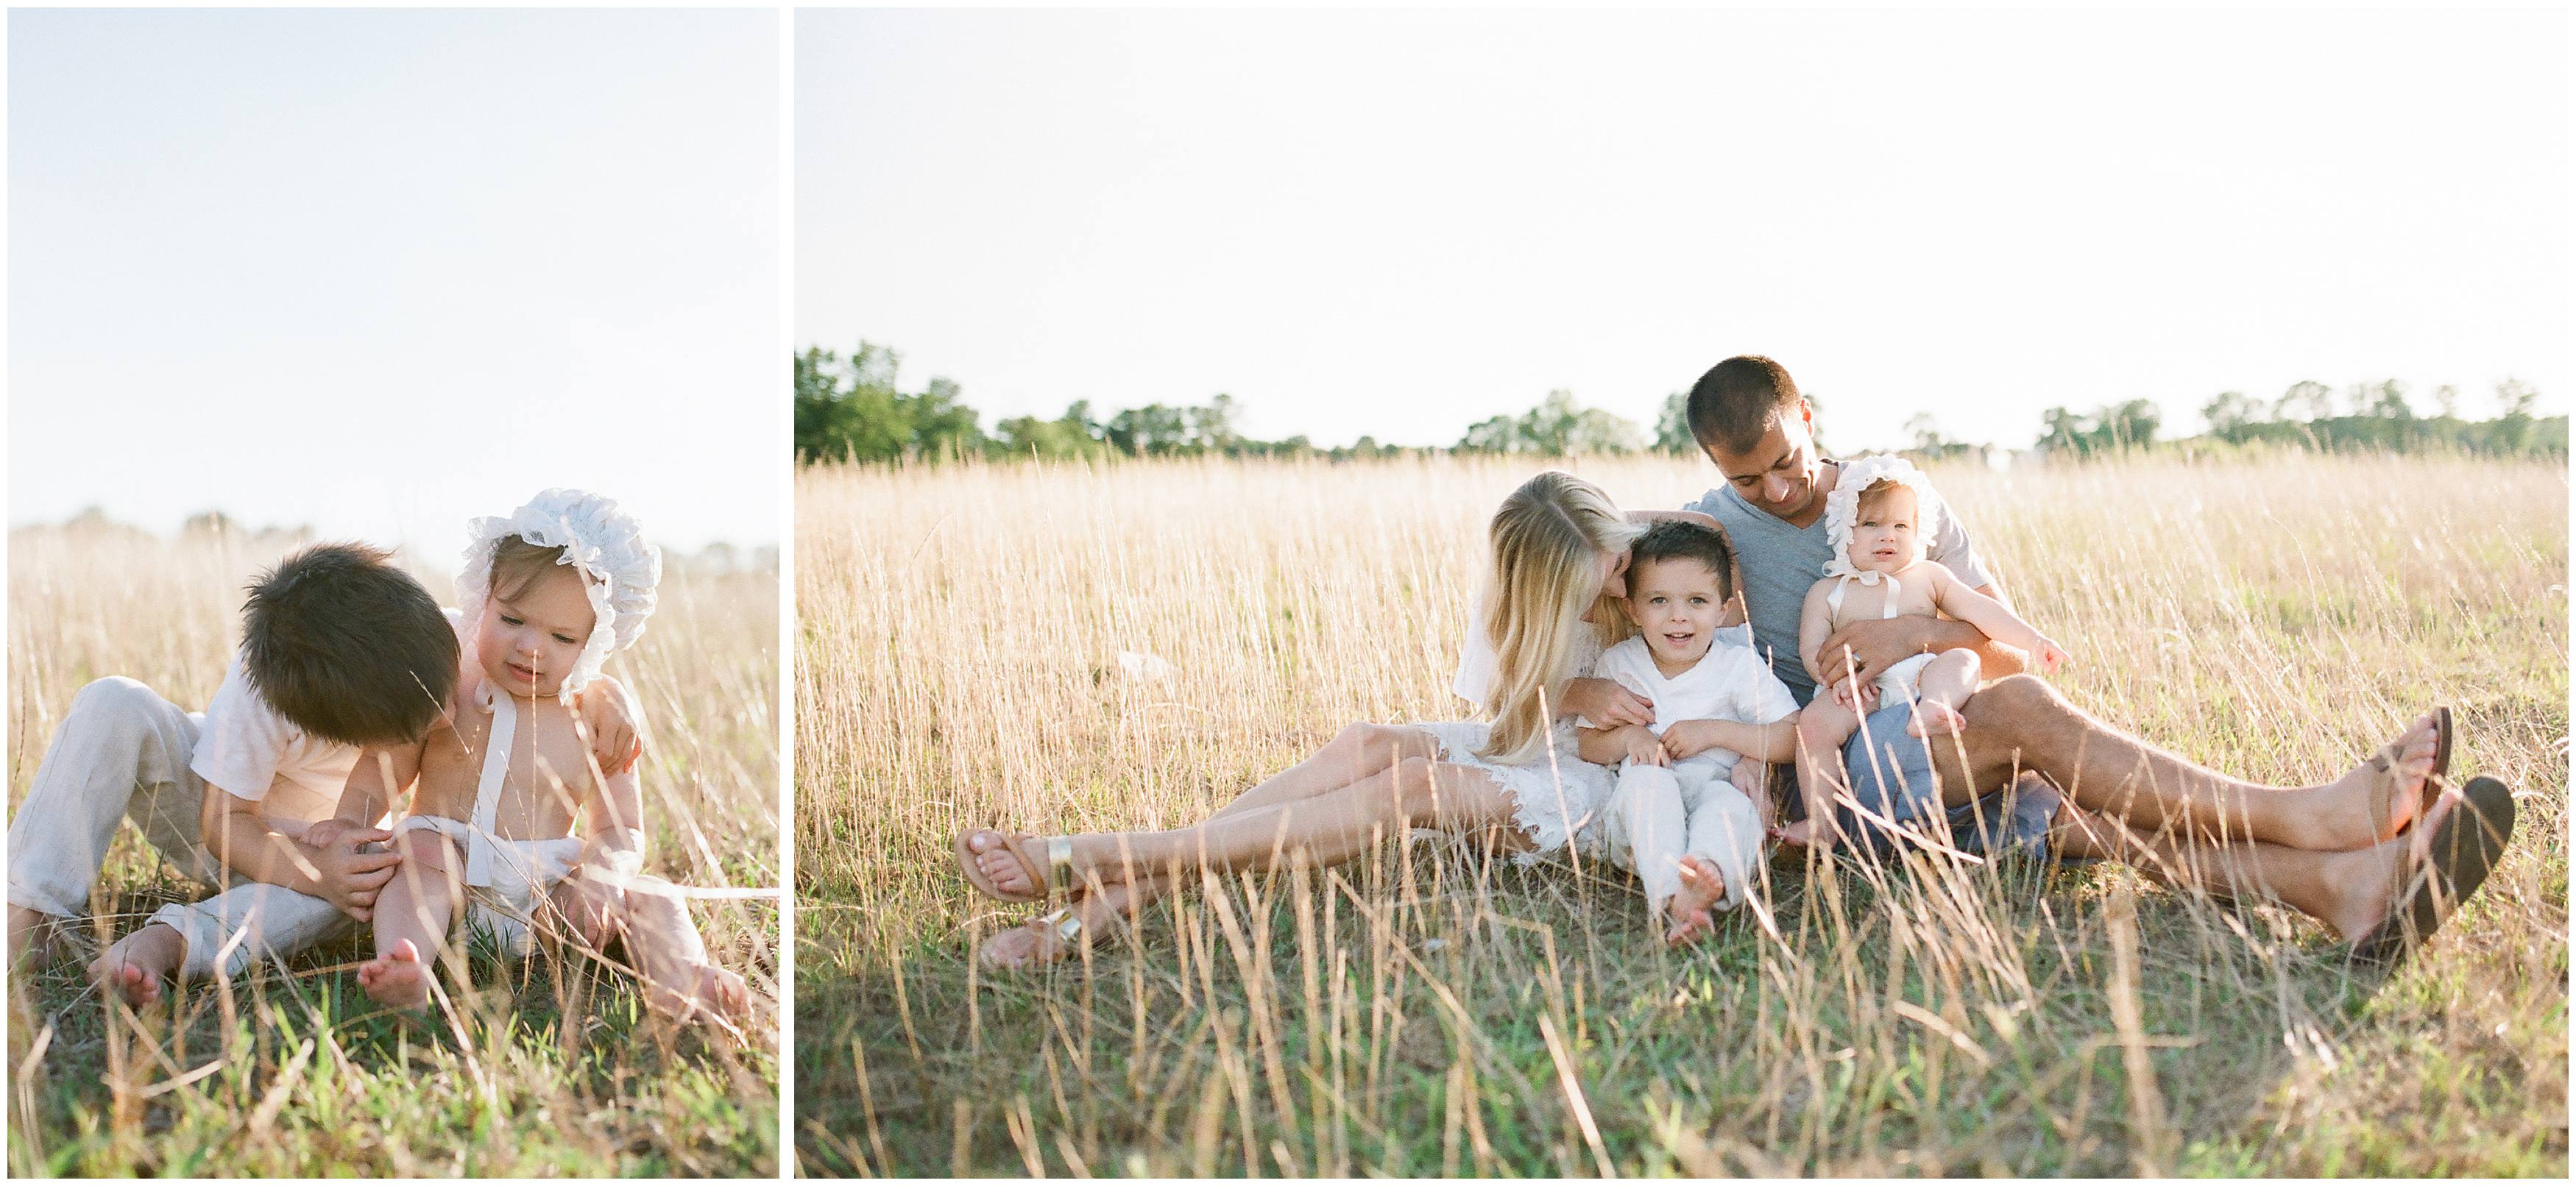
[1737, 401]
[347, 646]
[1681, 539]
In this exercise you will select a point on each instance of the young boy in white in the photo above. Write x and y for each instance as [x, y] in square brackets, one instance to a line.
[1684, 814]
[239, 798]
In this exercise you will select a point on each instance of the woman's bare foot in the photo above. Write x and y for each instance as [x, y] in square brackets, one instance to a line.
[1009, 874]
[702, 992]
[2379, 798]
[398, 979]
[134, 967]
[1702, 887]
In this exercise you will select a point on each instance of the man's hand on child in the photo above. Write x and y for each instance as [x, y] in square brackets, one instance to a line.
[1865, 649]
[345, 874]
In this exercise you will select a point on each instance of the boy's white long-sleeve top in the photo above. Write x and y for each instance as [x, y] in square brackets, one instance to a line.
[1729, 683]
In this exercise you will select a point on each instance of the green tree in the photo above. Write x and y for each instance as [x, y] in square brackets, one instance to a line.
[1672, 427]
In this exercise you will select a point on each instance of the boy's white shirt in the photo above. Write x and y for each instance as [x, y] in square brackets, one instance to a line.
[1729, 683]
[250, 751]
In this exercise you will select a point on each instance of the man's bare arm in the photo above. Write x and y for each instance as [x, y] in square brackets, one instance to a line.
[1880, 644]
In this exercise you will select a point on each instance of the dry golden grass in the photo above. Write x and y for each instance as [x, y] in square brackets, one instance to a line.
[293, 1072]
[1426, 1010]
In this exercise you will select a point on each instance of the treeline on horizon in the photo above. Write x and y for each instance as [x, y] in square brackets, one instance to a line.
[851, 408]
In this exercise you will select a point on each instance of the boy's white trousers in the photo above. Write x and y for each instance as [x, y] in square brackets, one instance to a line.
[122, 753]
[1658, 813]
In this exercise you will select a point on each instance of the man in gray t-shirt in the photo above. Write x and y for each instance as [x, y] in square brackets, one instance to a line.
[2085, 789]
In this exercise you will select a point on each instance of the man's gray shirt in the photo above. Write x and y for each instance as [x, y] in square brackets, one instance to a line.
[1781, 563]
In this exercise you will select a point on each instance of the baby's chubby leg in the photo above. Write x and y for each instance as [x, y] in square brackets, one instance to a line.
[1945, 683]
[663, 941]
[1823, 726]
[413, 915]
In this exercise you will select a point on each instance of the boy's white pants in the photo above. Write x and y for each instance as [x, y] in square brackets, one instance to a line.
[122, 753]
[1658, 813]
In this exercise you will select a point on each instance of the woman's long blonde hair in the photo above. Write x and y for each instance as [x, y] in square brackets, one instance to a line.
[1549, 538]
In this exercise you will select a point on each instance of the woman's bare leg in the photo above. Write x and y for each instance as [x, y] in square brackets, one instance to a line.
[2021, 723]
[1313, 832]
[1354, 754]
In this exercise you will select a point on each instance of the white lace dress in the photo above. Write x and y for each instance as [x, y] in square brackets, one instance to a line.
[1557, 796]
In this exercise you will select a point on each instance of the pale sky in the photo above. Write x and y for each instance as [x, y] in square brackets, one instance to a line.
[382, 271]
[1401, 223]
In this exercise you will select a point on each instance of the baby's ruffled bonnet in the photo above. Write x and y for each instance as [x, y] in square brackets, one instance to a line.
[1842, 510]
[602, 543]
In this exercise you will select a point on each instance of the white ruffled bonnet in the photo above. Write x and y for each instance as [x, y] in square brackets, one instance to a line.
[602, 543]
[1842, 510]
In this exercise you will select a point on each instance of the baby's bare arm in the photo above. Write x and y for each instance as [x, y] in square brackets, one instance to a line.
[1990, 616]
[612, 824]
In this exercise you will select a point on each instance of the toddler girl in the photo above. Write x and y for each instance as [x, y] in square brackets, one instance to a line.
[547, 594]
[1874, 520]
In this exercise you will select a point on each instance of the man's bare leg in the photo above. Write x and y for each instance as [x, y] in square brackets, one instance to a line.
[134, 967]
[1357, 752]
[2351, 892]
[2021, 723]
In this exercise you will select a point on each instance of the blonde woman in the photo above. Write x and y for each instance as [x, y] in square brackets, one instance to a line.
[1560, 557]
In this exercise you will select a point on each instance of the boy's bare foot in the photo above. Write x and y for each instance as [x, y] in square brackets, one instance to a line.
[1702, 887]
[398, 979]
[134, 966]
[1931, 717]
[701, 991]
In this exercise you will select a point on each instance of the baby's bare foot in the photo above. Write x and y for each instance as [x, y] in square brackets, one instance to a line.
[134, 966]
[1932, 717]
[1702, 887]
[398, 979]
[702, 992]
[1807, 833]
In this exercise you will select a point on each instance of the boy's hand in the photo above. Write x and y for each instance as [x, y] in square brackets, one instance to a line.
[1606, 704]
[1808, 833]
[1645, 748]
[610, 713]
[2049, 656]
[1689, 739]
[345, 874]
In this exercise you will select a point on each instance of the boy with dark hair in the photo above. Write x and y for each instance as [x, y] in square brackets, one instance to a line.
[340, 648]
[1683, 815]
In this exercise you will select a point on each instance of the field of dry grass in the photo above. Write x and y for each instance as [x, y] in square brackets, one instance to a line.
[292, 1071]
[1427, 1010]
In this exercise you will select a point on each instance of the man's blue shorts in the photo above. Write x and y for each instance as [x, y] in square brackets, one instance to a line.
[1891, 772]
